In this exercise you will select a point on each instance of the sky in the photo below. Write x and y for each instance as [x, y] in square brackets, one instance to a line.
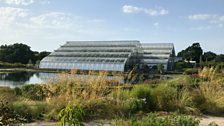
[47, 24]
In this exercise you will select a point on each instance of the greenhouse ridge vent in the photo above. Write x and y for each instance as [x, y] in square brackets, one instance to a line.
[109, 55]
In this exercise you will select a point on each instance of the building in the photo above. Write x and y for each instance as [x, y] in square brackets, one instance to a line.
[108, 55]
[158, 53]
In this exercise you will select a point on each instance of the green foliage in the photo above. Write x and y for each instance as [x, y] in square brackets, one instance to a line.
[11, 65]
[208, 56]
[169, 120]
[145, 98]
[30, 110]
[33, 92]
[193, 52]
[19, 53]
[185, 103]
[186, 94]
[5, 114]
[165, 97]
[219, 58]
[180, 66]
[8, 116]
[191, 71]
[73, 115]
[16, 53]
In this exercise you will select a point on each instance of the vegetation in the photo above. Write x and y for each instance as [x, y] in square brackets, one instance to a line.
[74, 100]
[19, 54]
[192, 53]
[156, 120]
[73, 115]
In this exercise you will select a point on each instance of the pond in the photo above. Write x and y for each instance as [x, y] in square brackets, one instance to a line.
[17, 79]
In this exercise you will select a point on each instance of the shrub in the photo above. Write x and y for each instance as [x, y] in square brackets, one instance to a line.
[185, 102]
[33, 92]
[210, 93]
[30, 110]
[165, 97]
[8, 116]
[191, 71]
[102, 108]
[145, 96]
[179, 66]
[7, 95]
[73, 115]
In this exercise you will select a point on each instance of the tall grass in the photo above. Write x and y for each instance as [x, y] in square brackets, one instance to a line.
[211, 90]
[99, 99]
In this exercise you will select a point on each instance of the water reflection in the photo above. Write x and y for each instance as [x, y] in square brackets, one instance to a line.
[17, 76]
[16, 79]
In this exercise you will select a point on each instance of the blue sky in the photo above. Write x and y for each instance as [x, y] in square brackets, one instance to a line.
[47, 24]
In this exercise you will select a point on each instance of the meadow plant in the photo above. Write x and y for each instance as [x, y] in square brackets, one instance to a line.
[165, 97]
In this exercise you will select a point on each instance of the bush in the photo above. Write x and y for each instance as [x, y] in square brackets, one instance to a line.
[165, 97]
[100, 108]
[145, 97]
[191, 71]
[33, 92]
[30, 110]
[180, 66]
[8, 116]
[7, 95]
[73, 115]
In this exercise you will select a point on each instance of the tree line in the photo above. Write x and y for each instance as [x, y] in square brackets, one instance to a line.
[20, 53]
[195, 53]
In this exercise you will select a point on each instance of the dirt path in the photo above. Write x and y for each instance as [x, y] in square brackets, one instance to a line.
[208, 119]
[204, 122]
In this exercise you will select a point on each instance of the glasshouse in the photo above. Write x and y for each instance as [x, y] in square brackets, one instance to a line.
[108, 55]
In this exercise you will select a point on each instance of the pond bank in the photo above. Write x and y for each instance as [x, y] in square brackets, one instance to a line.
[26, 69]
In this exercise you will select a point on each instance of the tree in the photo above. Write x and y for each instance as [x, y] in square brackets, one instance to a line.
[20, 53]
[43, 54]
[193, 52]
[209, 56]
[16, 53]
[219, 58]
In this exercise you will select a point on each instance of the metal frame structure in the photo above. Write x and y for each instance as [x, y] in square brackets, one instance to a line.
[107, 55]
[158, 53]
[93, 55]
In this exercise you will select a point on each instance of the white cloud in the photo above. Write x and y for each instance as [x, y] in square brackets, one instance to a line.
[201, 28]
[212, 19]
[52, 19]
[24, 2]
[44, 2]
[9, 14]
[201, 17]
[18, 2]
[151, 12]
[22, 25]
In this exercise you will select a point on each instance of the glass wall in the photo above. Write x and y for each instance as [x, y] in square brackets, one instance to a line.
[108, 55]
